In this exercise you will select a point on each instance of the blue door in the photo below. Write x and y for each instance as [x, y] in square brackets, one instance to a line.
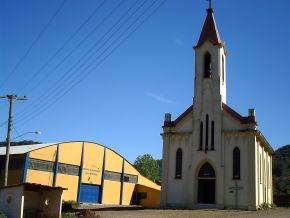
[89, 193]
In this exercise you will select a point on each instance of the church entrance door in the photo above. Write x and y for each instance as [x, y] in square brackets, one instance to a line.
[206, 184]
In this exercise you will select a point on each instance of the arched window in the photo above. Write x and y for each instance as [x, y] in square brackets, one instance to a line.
[201, 136]
[206, 132]
[236, 163]
[212, 136]
[178, 164]
[207, 65]
[206, 171]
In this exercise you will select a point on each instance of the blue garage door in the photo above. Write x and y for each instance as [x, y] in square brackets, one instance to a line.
[89, 193]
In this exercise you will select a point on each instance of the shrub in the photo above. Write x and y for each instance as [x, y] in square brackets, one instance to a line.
[69, 215]
[2, 215]
[265, 206]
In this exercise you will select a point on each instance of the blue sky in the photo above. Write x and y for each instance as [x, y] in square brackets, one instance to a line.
[81, 88]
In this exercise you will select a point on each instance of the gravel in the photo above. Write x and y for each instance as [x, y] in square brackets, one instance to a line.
[271, 213]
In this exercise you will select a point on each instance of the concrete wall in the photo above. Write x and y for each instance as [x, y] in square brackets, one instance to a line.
[246, 194]
[16, 202]
[45, 203]
[92, 169]
[112, 190]
[178, 188]
[264, 175]
[153, 196]
[12, 201]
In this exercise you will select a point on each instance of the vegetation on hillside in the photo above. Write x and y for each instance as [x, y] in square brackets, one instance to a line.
[281, 170]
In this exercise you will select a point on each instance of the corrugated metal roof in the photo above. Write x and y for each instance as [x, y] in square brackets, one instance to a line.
[35, 187]
[21, 149]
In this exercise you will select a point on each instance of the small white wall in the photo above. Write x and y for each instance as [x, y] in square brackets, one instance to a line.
[35, 203]
[11, 201]
[16, 203]
[54, 207]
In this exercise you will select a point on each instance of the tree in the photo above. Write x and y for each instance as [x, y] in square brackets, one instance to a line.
[148, 167]
[281, 170]
[24, 142]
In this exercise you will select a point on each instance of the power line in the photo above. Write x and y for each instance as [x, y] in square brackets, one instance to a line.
[13, 127]
[54, 70]
[90, 53]
[60, 82]
[35, 41]
[52, 57]
[115, 9]
[11, 99]
[100, 62]
[120, 43]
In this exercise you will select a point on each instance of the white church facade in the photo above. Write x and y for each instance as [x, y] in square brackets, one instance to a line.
[213, 157]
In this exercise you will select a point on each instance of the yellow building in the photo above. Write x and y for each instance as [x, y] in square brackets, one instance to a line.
[92, 173]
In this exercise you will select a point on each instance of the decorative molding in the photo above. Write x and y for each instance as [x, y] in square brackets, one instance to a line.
[260, 138]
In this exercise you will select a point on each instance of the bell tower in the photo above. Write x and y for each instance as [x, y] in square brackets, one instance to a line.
[210, 62]
[210, 85]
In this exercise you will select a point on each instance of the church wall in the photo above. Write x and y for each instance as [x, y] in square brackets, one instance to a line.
[246, 183]
[165, 170]
[223, 70]
[264, 165]
[185, 125]
[252, 172]
[212, 157]
[207, 101]
[230, 123]
[177, 188]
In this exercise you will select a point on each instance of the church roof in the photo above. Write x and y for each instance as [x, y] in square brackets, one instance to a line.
[178, 119]
[209, 31]
[243, 120]
[232, 112]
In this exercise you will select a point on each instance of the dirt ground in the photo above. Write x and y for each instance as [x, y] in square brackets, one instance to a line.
[272, 213]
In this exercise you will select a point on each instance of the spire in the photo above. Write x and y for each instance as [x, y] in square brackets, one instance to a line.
[209, 31]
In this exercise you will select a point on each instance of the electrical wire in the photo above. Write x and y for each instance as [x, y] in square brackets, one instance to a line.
[55, 54]
[100, 62]
[35, 41]
[60, 82]
[115, 9]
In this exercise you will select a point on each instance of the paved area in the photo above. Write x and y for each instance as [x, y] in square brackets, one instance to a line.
[272, 213]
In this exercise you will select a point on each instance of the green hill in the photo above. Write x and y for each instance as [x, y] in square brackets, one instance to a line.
[281, 170]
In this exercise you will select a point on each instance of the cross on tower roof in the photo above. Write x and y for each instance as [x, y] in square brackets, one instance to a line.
[209, 31]
[209, 1]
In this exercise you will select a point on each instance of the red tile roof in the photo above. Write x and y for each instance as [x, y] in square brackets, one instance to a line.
[243, 120]
[209, 31]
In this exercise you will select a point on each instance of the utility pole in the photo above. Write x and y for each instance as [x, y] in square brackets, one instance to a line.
[11, 99]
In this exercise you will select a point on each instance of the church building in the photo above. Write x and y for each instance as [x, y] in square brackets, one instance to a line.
[213, 157]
